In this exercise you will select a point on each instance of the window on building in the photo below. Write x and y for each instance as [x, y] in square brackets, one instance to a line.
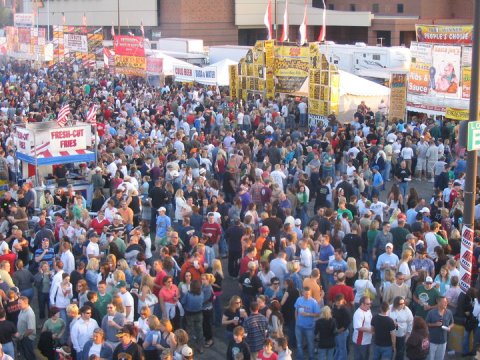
[376, 57]
[400, 8]
[331, 7]
[317, 4]
[375, 8]
[353, 7]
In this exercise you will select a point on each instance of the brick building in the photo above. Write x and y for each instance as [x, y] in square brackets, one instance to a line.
[241, 21]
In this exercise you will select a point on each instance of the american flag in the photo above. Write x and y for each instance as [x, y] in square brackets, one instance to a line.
[63, 115]
[92, 115]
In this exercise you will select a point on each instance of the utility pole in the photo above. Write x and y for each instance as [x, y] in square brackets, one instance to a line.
[471, 178]
[118, 17]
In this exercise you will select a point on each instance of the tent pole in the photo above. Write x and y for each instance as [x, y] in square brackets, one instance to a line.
[36, 159]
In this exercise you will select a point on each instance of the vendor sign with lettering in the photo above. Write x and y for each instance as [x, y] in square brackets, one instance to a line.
[445, 34]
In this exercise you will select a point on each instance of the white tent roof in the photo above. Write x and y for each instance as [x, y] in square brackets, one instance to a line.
[355, 85]
[223, 74]
[168, 61]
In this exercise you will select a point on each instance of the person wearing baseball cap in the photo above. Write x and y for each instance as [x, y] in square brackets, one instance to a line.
[163, 224]
[264, 231]
[128, 347]
[425, 297]
[388, 260]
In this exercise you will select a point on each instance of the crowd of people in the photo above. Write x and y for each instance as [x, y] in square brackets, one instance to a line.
[315, 224]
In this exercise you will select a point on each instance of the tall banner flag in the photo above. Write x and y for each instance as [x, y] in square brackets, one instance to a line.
[62, 117]
[142, 29]
[267, 20]
[303, 27]
[285, 23]
[84, 20]
[466, 254]
[323, 30]
[92, 115]
[112, 32]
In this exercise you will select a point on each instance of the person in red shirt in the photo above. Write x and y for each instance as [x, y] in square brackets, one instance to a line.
[99, 223]
[10, 257]
[251, 255]
[160, 274]
[341, 288]
[194, 266]
[212, 230]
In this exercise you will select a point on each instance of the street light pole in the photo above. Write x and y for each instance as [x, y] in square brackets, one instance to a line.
[471, 178]
[118, 17]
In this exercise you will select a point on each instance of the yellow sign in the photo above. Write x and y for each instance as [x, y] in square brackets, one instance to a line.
[291, 68]
[457, 114]
[233, 81]
[130, 65]
[398, 95]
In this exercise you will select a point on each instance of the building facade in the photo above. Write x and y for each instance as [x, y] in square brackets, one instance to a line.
[376, 22]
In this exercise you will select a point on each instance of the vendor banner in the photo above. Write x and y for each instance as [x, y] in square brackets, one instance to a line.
[130, 65]
[456, 114]
[291, 65]
[421, 52]
[129, 45]
[466, 254]
[466, 56]
[446, 70]
[233, 81]
[23, 140]
[183, 73]
[445, 34]
[206, 75]
[466, 82]
[154, 65]
[420, 79]
[75, 42]
[269, 65]
[23, 20]
[398, 95]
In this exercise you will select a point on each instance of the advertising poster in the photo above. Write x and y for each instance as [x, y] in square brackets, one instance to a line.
[446, 70]
[466, 82]
[23, 20]
[130, 65]
[466, 253]
[129, 45]
[445, 34]
[421, 52]
[420, 79]
[233, 81]
[398, 95]
[75, 42]
[183, 73]
[269, 63]
[154, 65]
[466, 56]
[291, 68]
[457, 114]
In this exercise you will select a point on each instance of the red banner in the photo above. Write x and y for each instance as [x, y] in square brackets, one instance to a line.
[129, 45]
[154, 65]
[445, 34]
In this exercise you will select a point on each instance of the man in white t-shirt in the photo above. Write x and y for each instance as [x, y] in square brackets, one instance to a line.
[127, 300]
[93, 250]
[278, 176]
[306, 259]
[362, 329]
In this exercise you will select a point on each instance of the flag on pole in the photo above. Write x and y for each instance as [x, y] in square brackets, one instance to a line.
[112, 31]
[14, 7]
[267, 20]
[92, 115]
[84, 20]
[285, 23]
[64, 19]
[62, 117]
[142, 29]
[323, 30]
[303, 27]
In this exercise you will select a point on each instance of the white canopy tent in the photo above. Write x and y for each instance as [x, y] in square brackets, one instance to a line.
[355, 89]
[169, 62]
[222, 70]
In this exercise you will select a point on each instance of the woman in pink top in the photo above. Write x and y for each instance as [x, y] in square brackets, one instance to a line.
[169, 296]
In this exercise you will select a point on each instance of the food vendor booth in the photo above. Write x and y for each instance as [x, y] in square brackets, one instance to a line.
[42, 147]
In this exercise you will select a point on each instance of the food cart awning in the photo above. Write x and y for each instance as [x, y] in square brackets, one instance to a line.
[57, 158]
